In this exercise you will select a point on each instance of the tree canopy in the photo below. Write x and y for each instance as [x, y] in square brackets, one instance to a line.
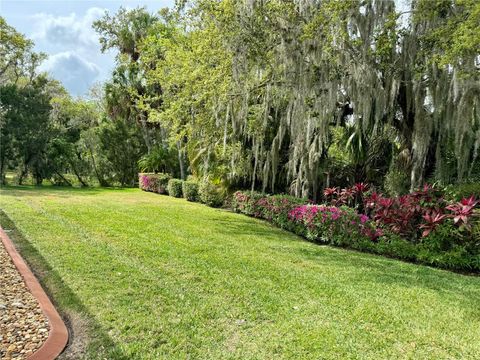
[280, 96]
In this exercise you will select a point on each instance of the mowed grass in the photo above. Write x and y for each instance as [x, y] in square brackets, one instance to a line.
[145, 276]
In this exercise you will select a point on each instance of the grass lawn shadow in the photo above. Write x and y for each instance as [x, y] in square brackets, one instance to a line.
[87, 338]
[59, 191]
[392, 272]
[363, 268]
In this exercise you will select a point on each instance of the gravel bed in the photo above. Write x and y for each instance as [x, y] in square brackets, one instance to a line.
[23, 326]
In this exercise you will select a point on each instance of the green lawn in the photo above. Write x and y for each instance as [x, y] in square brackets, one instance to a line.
[145, 276]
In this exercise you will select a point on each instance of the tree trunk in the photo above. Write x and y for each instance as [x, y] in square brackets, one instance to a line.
[78, 175]
[38, 179]
[63, 178]
[22, 175]
[145, 132]
[3, 180]
[100, 178]
[180, 161]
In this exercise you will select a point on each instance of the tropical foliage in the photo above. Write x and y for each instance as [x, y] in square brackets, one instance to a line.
[278, 96]
[421, 226]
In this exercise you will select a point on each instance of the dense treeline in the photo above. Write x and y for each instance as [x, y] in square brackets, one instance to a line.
[47, 134]
[278, 96]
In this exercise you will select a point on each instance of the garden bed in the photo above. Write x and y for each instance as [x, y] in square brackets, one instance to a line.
[421, 227]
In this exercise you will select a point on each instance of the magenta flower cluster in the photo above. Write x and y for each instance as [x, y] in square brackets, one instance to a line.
[154, 182]
[308, 213]
[321, 221]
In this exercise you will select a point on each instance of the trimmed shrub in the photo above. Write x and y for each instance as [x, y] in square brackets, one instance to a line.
[154, 182]
[246, 203]
[210, 194]
[175, 188]
[336, 225]
[190, 190]
[274, 208]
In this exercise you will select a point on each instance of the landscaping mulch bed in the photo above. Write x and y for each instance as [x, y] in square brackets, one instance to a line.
[23, 326]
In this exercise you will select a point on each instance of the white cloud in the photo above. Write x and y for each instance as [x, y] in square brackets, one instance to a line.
[75, 72]
[74, 50]
[67, 30]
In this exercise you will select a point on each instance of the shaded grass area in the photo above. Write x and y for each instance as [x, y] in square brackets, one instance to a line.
[85, 334]
[152, 277]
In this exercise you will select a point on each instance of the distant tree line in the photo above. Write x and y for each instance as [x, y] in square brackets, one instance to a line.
[48, 135]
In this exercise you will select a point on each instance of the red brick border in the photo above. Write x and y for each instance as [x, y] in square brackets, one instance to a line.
[58, 334]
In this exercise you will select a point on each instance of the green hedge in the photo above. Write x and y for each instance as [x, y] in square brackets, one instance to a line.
[190, 190]
[175, 188]
[210, 194]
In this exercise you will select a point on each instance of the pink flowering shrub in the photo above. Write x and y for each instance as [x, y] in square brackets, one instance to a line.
[154, 182]
[331, 224]
[337, 225]
[274, 208]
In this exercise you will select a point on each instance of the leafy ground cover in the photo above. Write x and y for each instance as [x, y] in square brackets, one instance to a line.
[143, 276]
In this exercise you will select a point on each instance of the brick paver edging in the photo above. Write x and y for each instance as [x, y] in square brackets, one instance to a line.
[58, 334]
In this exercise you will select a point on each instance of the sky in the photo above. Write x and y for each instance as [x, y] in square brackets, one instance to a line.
[63, 30]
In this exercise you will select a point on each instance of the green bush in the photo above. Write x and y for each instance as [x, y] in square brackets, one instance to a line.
[393, 245]
[154, 182]
[396, 182]
[450, 247]
[175, 188]
[190, 190]
[210, 194]
[459, 191]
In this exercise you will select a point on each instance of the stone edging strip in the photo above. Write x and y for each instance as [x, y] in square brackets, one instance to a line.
[58, 333]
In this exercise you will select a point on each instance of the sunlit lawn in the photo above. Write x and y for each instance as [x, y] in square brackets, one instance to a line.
[145, 276]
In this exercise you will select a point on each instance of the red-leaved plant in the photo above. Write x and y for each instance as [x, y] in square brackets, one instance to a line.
[462, 211]
[432, 220]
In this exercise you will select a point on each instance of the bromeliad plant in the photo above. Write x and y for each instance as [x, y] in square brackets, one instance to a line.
[404, 214]
[463, 211]
[416, 215]
[352, 196]
[432, 220]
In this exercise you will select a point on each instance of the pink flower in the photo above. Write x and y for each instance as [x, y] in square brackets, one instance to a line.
[363, 218]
